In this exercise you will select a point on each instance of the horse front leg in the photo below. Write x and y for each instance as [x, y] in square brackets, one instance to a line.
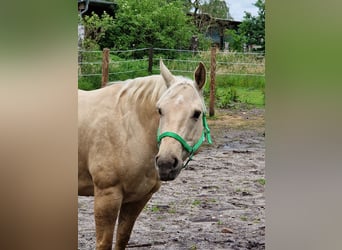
[107, 204]
[128, 215]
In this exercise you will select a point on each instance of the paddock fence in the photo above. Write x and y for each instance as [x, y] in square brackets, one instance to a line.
[107, 66]
[124, 64]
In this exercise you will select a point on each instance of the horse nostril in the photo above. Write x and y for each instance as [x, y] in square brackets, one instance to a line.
[169, 162]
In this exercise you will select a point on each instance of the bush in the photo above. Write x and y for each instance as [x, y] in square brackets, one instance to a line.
[225, 97]
[89, 83]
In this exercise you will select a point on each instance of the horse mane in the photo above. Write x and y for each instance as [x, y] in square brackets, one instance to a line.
[146, 91]
[143, 90]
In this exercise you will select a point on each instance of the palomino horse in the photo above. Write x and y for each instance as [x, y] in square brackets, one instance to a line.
[132, 135]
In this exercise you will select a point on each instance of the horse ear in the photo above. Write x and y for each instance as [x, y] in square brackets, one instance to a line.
[166, 74]
[200, 75]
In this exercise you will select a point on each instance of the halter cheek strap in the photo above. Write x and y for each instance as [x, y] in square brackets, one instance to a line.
[190, 149]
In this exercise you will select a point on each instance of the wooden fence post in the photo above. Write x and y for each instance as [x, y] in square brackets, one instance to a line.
[212, 81]
[150, 60]
[105, 67]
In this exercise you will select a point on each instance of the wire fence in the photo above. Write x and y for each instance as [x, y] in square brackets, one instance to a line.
[125, 64]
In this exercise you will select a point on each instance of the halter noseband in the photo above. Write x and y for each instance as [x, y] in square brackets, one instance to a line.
[190, 149]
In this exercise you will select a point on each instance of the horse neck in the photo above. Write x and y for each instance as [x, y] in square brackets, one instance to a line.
[149, 119]
[142, 102]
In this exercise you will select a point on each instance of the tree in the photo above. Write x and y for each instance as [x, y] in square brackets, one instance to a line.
[216, 9]
[96, 29]
[252, 28]
[213, 8]
[146, 23]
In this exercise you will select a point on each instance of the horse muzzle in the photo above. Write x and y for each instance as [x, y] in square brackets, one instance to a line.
[169, 167]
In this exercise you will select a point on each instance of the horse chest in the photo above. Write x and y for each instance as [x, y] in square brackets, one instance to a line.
[140, 185]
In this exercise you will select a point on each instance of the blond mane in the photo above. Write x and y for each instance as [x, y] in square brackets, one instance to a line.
[147, 91]
[143, 90]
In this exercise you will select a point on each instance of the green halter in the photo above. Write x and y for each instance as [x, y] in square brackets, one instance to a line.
[187, 147]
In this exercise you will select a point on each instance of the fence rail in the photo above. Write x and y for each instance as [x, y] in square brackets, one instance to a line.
[127, 61]
[109, 66]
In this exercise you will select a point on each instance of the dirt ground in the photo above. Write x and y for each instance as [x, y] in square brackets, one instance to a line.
[218, 202]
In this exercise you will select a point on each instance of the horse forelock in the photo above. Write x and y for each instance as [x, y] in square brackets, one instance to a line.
[181, 81]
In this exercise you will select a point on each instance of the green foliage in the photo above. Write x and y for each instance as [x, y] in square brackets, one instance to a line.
[247, 82]
[141, 24]
[251, 31]
[155, 209]
[232, 90]
[196, 203]
[90, 67]
[253, 27]
[89, 83]
[225, 97]
[253, 97]
[262, 181]
[96, 29]
[122, 69]
[164, 24]
[216, 8]
[235, 40]
[228, 97]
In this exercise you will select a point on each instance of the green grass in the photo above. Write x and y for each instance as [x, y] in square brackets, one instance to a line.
[232, 90]
[243, 218]
[230, 97]
[155, 209]
[252, 82]
[254, 97]
[196, 203]
[262, 181]
[89, 83]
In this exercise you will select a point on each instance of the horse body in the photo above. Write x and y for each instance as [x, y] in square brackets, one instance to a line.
[119, 159]
[110, 131]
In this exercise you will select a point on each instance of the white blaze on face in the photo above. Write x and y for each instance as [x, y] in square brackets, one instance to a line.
[179, 100]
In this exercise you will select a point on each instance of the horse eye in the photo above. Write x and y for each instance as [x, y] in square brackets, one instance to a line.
[197, 114]
[159, 111]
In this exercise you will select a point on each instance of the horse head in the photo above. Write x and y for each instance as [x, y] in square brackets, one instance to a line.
[182, 124]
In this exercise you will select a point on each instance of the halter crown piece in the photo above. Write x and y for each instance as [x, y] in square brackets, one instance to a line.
[190, 149]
